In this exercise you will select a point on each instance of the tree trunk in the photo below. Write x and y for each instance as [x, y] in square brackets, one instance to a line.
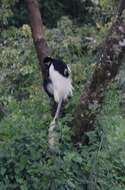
[121, 7]
[110, 55]
[37, 31]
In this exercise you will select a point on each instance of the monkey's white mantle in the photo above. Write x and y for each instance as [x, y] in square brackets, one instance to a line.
[62, 86]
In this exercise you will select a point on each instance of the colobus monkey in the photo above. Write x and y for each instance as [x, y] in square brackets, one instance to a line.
[57, 82]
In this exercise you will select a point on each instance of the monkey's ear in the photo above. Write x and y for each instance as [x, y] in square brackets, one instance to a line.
[69, 68]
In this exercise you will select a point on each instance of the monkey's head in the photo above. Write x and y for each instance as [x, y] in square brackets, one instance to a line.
[47, 60]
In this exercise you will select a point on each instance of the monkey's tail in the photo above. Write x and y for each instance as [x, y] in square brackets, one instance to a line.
[58, 110]
[53, 136]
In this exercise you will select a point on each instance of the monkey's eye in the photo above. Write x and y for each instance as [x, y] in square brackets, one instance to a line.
[66, 72]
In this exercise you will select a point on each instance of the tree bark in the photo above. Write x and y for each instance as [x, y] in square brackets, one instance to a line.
[110, 54]
[121, 7]
[42, 52]
[37, 31]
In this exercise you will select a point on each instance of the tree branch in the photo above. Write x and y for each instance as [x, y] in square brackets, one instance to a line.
[121, 7]
[42, 52]
[37, 31]
[110, 55]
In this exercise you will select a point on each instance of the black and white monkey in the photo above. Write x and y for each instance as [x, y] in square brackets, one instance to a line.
[57, 82]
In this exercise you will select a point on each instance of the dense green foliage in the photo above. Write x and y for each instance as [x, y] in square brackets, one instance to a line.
[13, 12]
[26, 163]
